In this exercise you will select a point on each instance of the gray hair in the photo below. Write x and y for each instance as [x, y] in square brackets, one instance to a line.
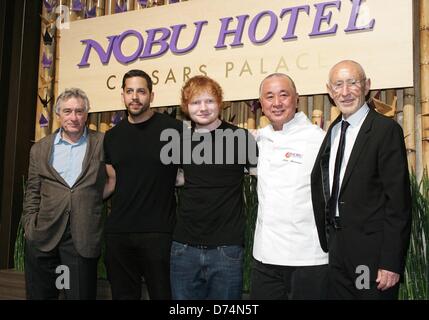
[279, 75]
[72, 93]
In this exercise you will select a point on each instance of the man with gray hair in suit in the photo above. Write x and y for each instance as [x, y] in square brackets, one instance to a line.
[63, 203]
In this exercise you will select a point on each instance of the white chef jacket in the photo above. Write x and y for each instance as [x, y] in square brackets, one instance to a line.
[286, 232]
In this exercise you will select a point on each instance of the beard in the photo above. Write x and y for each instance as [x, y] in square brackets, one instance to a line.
[136, 113]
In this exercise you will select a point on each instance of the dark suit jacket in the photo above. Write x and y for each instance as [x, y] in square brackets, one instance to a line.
[50, 202]
[374, 199]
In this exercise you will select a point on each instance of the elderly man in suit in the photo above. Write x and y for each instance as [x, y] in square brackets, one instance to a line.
[63, 203]
[361, 193]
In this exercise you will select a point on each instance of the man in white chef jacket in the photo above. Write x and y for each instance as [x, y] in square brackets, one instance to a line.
[288, 260]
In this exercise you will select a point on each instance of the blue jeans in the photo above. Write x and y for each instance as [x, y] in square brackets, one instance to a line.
[197, 273]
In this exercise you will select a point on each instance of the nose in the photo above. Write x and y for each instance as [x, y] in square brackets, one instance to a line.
[73, 115]
[203, 105]
[134, 95]
[276, 100]
[345, 90]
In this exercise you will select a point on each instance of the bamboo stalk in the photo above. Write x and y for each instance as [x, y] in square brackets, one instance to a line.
[424, 78]
[242, 111]
[303, 104]
[258, 118]
[130, 5]
[245, 109]
[109, 7]
[233, 115]
[400, 107]
[104, 122]
[419, 148]
[317, 117]
[93, 121]
[409, 128]
[251, 120]
[318, 104]
[317, 114]
[326, 112]
[101, 8]
[224, 112]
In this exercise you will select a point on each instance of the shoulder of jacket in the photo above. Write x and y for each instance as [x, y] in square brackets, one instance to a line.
[96, 134]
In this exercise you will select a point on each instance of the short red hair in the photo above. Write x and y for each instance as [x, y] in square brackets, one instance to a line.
[197, 85]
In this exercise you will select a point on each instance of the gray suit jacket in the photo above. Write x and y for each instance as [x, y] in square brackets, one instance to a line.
[50, 203]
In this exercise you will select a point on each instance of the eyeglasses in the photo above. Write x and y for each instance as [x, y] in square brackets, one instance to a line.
[350, 83]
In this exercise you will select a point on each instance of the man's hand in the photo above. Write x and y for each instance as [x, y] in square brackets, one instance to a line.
[386, 279]
[180, 178]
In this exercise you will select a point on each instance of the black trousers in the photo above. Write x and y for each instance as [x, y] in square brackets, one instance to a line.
[274, 282]
[342, 274]
[131, 256]
[43, 283]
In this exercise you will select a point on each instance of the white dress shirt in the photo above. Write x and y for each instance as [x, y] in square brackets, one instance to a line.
[286, 232]
[355, 121]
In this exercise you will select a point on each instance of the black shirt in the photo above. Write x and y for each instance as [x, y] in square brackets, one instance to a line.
[211, 201]
[143, 200]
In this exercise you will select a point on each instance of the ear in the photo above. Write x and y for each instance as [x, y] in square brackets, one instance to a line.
[152, 95]
[331, 94]
[367, 86]
[123, 97]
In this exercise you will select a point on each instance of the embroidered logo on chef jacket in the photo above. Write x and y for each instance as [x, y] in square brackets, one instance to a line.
[294, 157]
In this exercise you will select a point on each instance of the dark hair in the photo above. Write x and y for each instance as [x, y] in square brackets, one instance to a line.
[138, 73]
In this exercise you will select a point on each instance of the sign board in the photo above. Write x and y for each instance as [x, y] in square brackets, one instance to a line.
[238, 43]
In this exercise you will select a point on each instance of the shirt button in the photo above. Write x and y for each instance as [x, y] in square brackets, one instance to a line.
[71, 190]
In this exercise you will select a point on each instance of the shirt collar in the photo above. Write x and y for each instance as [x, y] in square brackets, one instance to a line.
[59, 139]
[297, 118]
[356, 118]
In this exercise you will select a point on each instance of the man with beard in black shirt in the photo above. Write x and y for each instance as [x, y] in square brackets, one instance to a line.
[138, 229]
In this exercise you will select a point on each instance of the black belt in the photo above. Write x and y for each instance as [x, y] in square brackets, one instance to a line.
[202, 246]
[336, 223]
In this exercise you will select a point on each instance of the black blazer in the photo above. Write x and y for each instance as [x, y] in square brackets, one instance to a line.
[374, 199]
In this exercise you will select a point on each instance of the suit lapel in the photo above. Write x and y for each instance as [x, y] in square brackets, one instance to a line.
[47, 153]
[90, 147]
[324, 161]
[361, 140]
